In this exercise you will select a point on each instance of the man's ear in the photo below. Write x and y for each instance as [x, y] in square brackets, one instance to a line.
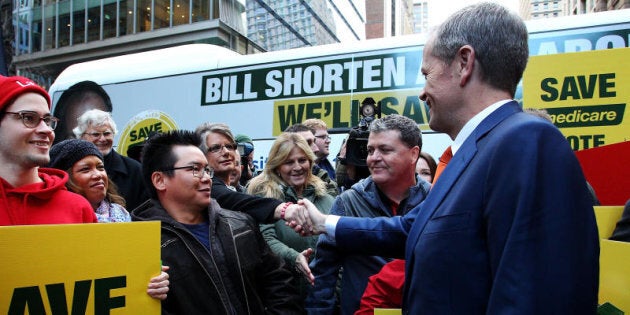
[466, 59]
[158, 181]
[415, 154]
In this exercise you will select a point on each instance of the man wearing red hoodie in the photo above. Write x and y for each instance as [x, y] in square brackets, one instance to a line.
[30, 194]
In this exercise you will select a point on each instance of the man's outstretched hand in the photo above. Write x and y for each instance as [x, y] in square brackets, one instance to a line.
[296, 216]
[316, 218]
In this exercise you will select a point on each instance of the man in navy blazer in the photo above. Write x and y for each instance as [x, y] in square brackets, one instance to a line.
[509, 227]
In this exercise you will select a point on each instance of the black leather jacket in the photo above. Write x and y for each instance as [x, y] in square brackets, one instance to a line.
[239, 276]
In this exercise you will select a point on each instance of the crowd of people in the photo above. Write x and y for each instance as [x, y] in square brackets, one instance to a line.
[508, 228]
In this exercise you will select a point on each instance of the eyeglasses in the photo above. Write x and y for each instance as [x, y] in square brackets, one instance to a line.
[196, 170]
[96, 135]
[218, 147]
[31, 119]
[323, 137]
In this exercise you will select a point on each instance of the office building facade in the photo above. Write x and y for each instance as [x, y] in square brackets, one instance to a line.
[388, 18]
[50, 35]
[536, 9]
[420, 16]
[286, 24]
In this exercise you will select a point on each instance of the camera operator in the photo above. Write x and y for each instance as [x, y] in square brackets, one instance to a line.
[351, 164]
[245, 147]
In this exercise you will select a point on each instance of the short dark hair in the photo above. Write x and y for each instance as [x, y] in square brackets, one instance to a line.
[409, 132]
[158, 155]
[299, 128]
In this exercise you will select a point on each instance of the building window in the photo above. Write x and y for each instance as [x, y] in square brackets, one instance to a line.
[162, 14]
[50, 26]
[181, 12]
[78, 21]
[93, 20]
[144, 16]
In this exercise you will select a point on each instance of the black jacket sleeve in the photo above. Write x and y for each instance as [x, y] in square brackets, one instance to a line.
[261, 209]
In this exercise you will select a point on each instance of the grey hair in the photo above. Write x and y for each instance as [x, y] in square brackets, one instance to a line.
[498, 36]
[409, 132]
[94, 118]
[206, 128]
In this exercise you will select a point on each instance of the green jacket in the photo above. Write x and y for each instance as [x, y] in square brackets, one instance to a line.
[285, 242]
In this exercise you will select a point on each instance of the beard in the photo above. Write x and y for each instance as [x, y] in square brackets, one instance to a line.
[33, 160]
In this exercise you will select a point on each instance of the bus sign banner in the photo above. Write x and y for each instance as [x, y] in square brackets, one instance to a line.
[344, 74]
[342, 111]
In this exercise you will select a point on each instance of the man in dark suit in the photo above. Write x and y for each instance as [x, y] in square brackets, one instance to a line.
[509, 228]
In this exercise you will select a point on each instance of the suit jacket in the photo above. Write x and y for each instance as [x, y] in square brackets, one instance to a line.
[508, 229]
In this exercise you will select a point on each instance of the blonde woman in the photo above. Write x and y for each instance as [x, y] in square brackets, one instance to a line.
[287, 176]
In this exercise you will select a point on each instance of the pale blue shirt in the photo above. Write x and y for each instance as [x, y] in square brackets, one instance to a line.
[331, 220]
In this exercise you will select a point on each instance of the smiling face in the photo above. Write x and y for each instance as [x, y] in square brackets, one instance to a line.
[89, 175]
[223, 161]
[295, 169]
[439, 92]
[184, 189]
[20, 145]
[389, 159]
[101, 136]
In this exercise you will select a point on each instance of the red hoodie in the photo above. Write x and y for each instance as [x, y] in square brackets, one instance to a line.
[47, 202]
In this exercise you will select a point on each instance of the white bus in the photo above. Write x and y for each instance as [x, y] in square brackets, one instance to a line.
[260, 95]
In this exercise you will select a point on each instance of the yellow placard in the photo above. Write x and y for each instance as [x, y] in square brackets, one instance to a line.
[614, 271]
[101, 268]
[586, 94]
[607, 218]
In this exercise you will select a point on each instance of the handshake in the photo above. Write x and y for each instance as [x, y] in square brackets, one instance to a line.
[304, 218]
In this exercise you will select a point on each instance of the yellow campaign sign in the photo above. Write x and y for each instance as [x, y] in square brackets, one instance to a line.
[585, 93]
[342, 111]
[101, 268]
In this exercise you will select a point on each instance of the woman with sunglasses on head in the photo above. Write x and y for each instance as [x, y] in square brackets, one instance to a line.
[288, 176]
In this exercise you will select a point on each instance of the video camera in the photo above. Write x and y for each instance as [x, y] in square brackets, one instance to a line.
[356, 147]
[244, 149]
